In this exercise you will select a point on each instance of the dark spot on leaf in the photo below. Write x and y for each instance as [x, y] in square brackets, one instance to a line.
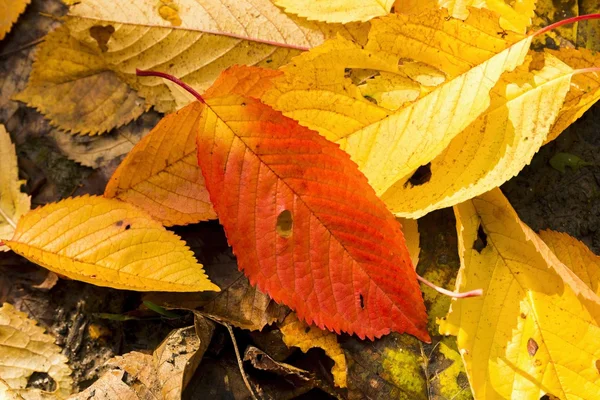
[532, 347]
[259, 357]
[269, 61]
[372, 100]
[101, 35]
[598, 365]
[422, 175]
[307, 329]
[285, 223]
[481, 242]
[243, 104]
[127, 227]
[362, 301]
[461, 380]
[119, 223]
[523, 315]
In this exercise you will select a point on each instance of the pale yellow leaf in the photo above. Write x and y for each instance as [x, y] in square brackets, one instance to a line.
[13, 203]
[299, 334]
[494, 147]
[71, 85]
[575, 255]
[107, 242]
[390, 91]
[530, 333]
[25, 349]
[7, 393]
[341, 11]
[9, 12]
[194, 39]
[389, 146]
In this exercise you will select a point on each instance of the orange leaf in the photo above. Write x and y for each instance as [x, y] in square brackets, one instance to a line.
[304, 223]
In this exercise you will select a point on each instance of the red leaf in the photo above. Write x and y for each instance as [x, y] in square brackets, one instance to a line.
[343, 263]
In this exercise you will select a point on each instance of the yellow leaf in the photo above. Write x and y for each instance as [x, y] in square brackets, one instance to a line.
[161, 174]
[299, 334]
[9, 12]
[585, 88]
[410, 229]
[13, 203]
[341, 11]
[494, 147]
[390, 146]
[193, 39]
[71, 86]
[575, 255]
[530, 333]
[390, 91]
[107, 242]
[515, 15]
[25, 349]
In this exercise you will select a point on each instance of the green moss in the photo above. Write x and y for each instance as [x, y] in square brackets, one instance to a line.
[403, 369]
[451, 383]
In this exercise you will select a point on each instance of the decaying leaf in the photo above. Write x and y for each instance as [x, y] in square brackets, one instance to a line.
[13, 203]
[279, 190]
[25, 349]
[575, 255]
[9, 12]
[261, 360]
[107, 242]
[519, 338]
[494, 147]
[298, 334]
[341, 11]
[71, 85]
[193, 40]
[314, 92]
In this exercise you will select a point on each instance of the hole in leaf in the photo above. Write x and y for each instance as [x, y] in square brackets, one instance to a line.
[362, 301]
[284, 224]
[42, 381]
[259, 357]
[532, 347]
[307, 329]
[422, 175]
[127, 227]
[481, 242]
[101, 34]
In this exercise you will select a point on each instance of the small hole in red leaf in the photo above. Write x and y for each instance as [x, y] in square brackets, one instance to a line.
[362, 301]
[285, 223]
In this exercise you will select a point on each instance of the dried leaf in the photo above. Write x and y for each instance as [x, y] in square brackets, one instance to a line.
[13, 203]
[297, 333]
[10, 11]
[25, 349]
[341, 11]
[279, 189]
[261, 360]
[107, 242]
[71, 86]
[530, 333]
[495, 147]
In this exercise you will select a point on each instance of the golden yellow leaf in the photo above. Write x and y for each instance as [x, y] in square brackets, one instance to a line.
[530, 333]
[390, 146]
[161, 174]
[390, 91]
[9, 12]
[299, 334]
[107, 242]
[13, 203]
[410, 229]
[514, 15]
[575, 255]
[25, 349]
[341, 11]
[494, 147]
[585, 88]
[71, 86]
[193, 39]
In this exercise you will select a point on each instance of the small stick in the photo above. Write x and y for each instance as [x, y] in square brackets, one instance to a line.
[456, 295]
[239, 359]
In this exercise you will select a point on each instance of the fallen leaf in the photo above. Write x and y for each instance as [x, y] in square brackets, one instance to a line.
[298, 334]
[71, 86]
[410, 229]
[107, 242]
[279, 189]
[494, 147]
[342, 11]
[420, 131]
[238, 303]
[100, 150]
[514, 15]
[111, 385]
[261, 360]
[211, 36]
[26, 349]
[7, 393]
[560, 161]
[585, 88]
[13, 203]
[575, 255]
[10, 11]
[530, 333]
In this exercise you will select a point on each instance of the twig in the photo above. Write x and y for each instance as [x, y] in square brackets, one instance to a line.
[23, 47]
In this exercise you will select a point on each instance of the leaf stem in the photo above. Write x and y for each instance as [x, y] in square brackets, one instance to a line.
[472, 293]
[140, 72]
[7, 218]
[586, 70]
[566, 22]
